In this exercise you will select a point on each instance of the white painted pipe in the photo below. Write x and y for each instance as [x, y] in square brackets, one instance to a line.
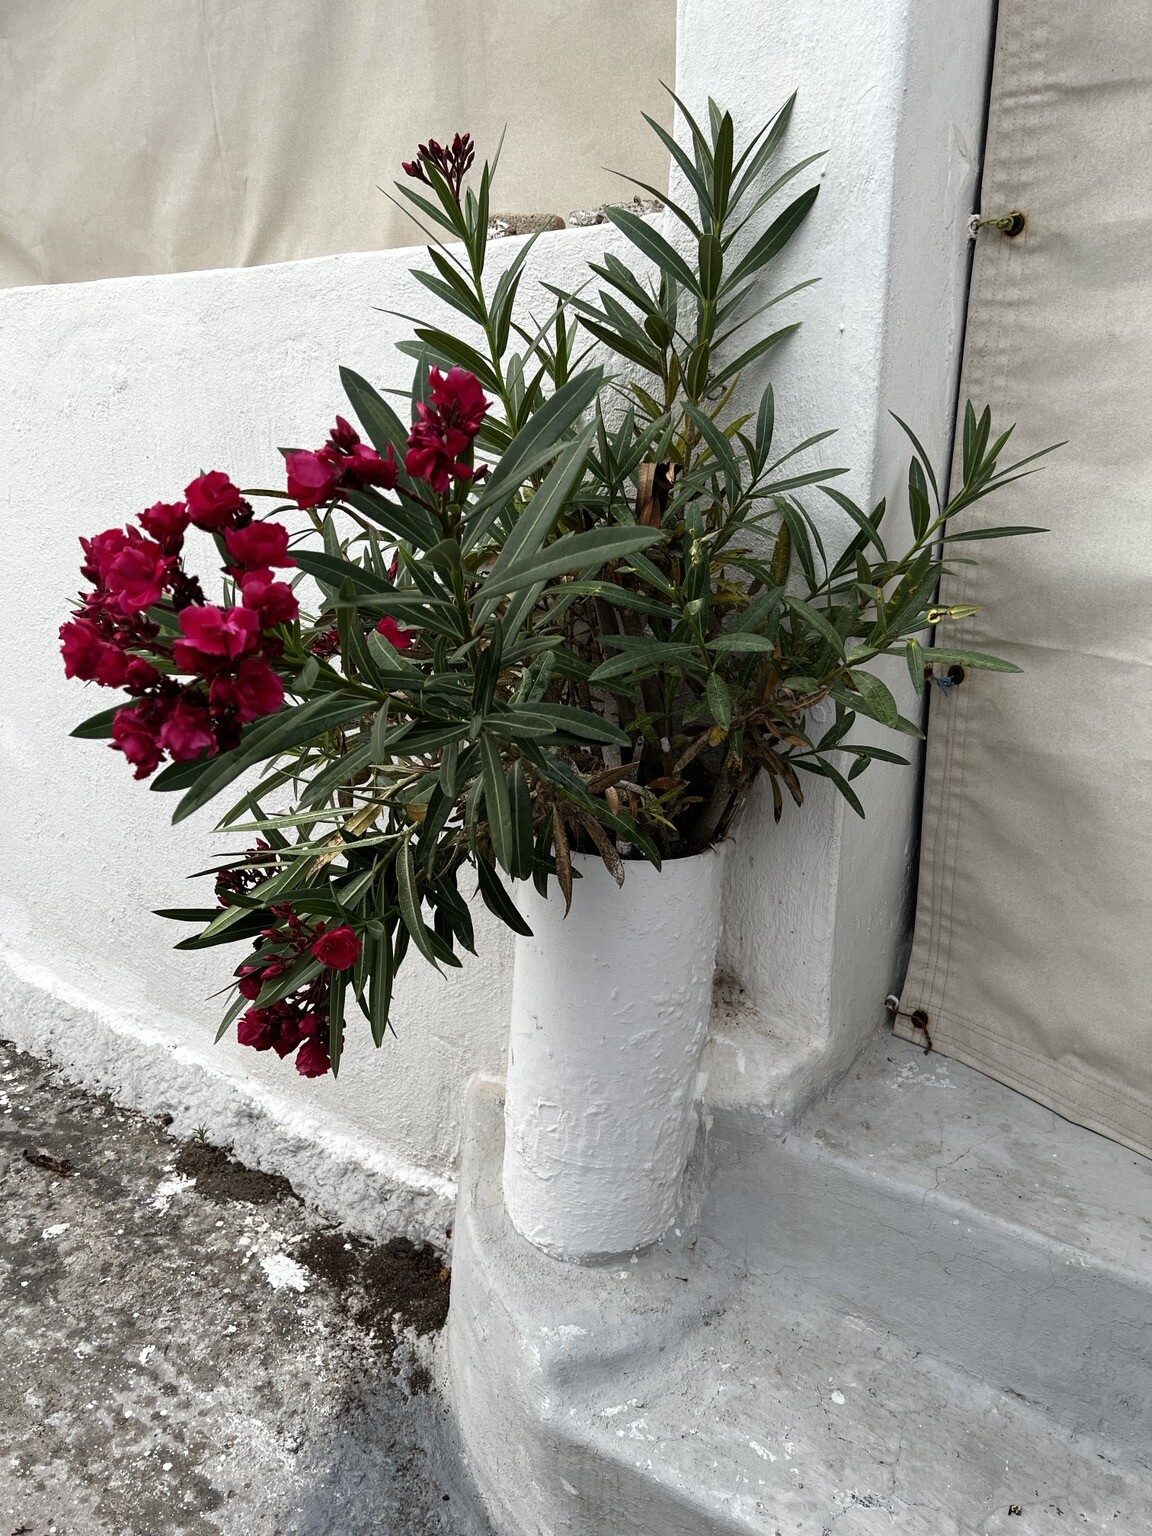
[609, 1015]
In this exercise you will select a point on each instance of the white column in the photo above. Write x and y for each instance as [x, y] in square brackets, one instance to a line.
[815, 909]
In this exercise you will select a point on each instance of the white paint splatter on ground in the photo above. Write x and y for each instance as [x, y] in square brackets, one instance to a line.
[283, 1273]
[167, 1188]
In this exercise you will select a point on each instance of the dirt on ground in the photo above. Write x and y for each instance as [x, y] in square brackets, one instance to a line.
[187, 1349]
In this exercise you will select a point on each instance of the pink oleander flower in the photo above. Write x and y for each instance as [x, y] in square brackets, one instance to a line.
[254, 691]
[312, 1059]
[433, 455]
[451, 160]
[187, 733]
[99, 552]
[167, 522]
[458, 399]
[212, 634]
[446, 429]
[401, 639]
[138, 739]
[137, 576]
[213, 501]
[82, 647]
[344, 436]
[364, 466]
[255, 1028]
[273, 600]
[312, 478]
[259, 544]
[338, 949]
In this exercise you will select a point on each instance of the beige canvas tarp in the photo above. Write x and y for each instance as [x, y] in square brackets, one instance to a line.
[1033, 948]
[165, 135]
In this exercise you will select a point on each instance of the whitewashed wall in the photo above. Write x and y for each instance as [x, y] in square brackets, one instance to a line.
[113, 394]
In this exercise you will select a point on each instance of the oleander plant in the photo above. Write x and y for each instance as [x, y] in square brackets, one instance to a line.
[567, 597]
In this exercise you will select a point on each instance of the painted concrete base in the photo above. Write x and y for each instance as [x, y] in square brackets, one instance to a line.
[924, 1307]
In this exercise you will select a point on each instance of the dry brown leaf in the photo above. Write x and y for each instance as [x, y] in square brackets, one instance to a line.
[563, 856]
[613, 863]
[689, 753]
[601, 781]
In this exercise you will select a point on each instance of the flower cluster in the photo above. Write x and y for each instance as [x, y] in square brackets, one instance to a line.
[301, 1017]
[444, 434]
[237, 880]
[451, 160]
[344, 463]
[112, 641]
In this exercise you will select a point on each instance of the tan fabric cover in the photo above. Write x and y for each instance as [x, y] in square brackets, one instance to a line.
[165, 135]
[1033, 948]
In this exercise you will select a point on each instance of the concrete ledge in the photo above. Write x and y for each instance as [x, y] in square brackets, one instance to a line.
[859, 1334]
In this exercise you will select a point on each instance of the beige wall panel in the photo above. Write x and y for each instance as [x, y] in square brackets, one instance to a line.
[143, 136]
[1033, 951]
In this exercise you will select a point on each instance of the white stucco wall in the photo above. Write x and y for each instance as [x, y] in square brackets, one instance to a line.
[816, 909]
[113, 394]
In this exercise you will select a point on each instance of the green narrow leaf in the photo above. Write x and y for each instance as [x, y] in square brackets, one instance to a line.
[686, 164]
[867, 525]
[380, 981]
[537, 520]
[753, 160]
[711, 260]
[336, 989]
[520, 799]
[408, 896]
[826, 771]
[380, 752]
[876, 699]
[781, 563]
[575, 551]
[497, 899]
[774, 238]
[99, 727]
[1006, 532]
[496, 801]
[914, 656]
[719, 700]
[578, 722]
[722, 157]
[719, 445]
[407, 522]
[644, 653]
[226, 1022]
[980, 661]
[919, 447]
[654, 246]
[918, 504]
[269, 737]
[816, 620]
[750, 356]
[740, 642]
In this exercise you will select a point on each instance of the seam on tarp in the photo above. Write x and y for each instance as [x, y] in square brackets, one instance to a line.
[941, 1028]
[1055, 1093]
